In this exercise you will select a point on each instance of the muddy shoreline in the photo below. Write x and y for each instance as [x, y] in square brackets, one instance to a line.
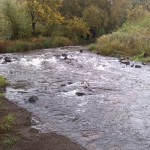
[28, 138]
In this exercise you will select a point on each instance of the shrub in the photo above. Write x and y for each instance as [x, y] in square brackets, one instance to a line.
[58, 41]
[132, 39]
[3, 46]
[18, 46]
[92, 47]
[3, 82]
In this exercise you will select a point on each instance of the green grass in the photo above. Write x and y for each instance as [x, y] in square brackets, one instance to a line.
[8, 140]
[3, 82]
[2, 95]
[7, 123]
[92, 47]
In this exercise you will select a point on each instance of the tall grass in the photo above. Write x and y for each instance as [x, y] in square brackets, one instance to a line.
[132, 39]
[9, 46]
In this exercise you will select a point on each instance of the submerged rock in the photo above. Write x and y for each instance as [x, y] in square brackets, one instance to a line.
[7, 59]
[81, 51]
[33, 99]
[138, 66]
[70, 82]
[80, 94]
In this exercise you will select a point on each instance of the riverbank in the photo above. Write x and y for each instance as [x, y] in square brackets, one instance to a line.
[16, 132]
[22, 137]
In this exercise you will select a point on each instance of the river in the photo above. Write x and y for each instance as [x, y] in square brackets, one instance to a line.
[94, 100]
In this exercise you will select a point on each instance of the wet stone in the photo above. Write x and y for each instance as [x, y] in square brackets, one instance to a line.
[33, 99]
[7, 59]
[81, 51]
[80, 94]
[62, 85]
[125, 62]
[65, 56]
[70, 83]
[138, 66]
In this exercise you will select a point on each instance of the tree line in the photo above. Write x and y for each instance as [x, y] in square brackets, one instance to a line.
[78, 20]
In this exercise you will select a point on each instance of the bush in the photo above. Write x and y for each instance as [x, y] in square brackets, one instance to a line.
[3, 46]
[59, 41]
[92, 47]
[3, 82]
[132, 39]
[33, 44]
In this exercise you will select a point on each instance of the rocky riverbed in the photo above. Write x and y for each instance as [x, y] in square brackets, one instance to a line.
[97, 101]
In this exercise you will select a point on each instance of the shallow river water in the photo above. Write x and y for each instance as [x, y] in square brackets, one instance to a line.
[94, 100]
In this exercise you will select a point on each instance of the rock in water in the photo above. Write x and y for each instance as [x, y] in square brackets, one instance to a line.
[33, 99]
[7, 59]
[125, 62]
[80, 94]
[138, 66]
[143, 63]
[65, 56]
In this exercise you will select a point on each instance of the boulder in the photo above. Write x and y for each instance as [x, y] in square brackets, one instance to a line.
[33, 99]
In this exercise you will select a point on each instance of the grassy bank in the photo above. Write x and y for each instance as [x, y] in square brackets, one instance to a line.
[10, 46]
[131, 40]
[7, 120]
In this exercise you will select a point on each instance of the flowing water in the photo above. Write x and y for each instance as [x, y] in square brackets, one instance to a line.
[93, 100]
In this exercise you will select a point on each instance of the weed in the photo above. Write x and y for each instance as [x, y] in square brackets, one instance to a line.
[8, 140]
[7, 123]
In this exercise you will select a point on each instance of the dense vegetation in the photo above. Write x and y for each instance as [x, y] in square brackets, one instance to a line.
[36, 24]
[132, 39]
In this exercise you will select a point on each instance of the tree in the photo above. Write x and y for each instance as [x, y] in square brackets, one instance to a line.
[93, 16]
[14, 19]
[44, 11]
[119, 10]
[77, 29]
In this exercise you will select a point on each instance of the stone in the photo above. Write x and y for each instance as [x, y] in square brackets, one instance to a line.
[80, 94]
[62, 85]
[125, 62]
[65, 56]
[121, 59]
[138, 66]
[143, 63]
[70, 82]
[133, 65]
[81, 51]
[33, 99]
[7, 59]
